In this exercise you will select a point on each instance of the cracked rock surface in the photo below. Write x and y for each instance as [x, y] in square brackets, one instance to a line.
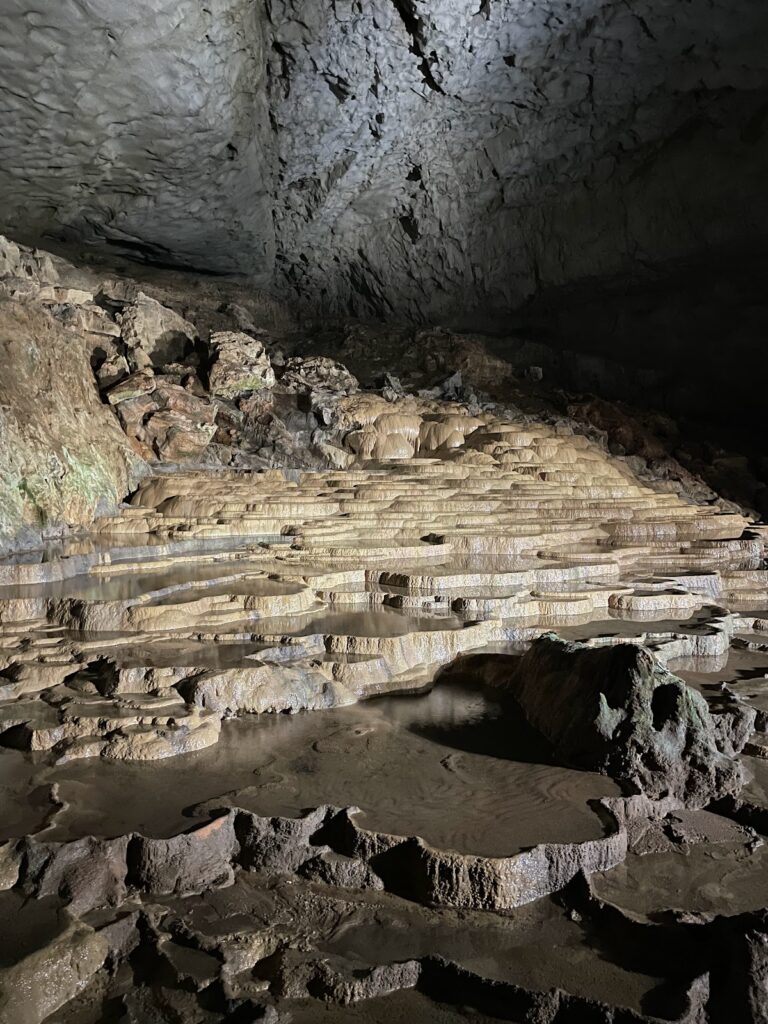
[422, 158]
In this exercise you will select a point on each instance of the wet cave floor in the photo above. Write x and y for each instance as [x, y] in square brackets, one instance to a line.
[308, 749]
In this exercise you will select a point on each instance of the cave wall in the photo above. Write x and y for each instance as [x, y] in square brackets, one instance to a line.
[413, 159]
[63, 456]
[465, 156]
[139, 125]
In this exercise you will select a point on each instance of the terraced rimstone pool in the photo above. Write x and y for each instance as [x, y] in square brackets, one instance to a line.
[462, 817]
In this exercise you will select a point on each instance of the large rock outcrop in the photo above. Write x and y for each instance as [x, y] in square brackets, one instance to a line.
[100, 373]
[616, 709]
[63, 456]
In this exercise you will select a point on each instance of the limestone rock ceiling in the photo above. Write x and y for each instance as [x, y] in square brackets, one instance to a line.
[394, 156]
[141, 124]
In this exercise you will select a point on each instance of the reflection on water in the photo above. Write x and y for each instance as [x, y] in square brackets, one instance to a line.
[182, 582]
[133, 546]
[449, 765]
[382, 622]
[629, 625]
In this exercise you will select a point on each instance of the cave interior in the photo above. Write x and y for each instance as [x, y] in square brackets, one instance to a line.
[383, 486]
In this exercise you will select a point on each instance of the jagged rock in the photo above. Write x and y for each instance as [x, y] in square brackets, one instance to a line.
[187, 863]
[392, 388]
[174, 438]
[143, 382]
[26, 273]
[44, 980]
[186, 377]
[317, 373]
[242, 318]
[338, 870]
[86, 873]
[166, 420]
[11, 263]
[191, 967]
[111, 370]
[619, 711]
[278, 844]
[121, 929]
[153, 334]
[329, 978]
[734, 724]
[239, 365]
[9, 865]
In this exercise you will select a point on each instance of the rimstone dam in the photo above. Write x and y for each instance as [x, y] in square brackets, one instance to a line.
[383, 485]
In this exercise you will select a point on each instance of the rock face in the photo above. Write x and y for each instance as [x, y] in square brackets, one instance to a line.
[418, 157]
[240, 365]
[153, 334]
[185, 181]
[164, 420]
[495, 136]
[63, 456]
[317, 373]
[619, 711]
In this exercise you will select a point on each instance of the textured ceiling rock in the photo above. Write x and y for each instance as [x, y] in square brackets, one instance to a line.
[468, 153]
[138, 123]
[397, 157]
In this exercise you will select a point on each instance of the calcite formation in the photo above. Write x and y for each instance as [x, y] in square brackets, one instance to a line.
[448, 540]
[447, 533]
[368, 704]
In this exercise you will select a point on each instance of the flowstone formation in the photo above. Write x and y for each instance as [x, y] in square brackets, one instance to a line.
[355, 582]
[368, 704]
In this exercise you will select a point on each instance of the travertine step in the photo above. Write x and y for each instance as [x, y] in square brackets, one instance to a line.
[447, 534]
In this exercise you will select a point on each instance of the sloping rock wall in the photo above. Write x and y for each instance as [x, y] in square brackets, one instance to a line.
[63, 456]
[140, 125]
[409, 158]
